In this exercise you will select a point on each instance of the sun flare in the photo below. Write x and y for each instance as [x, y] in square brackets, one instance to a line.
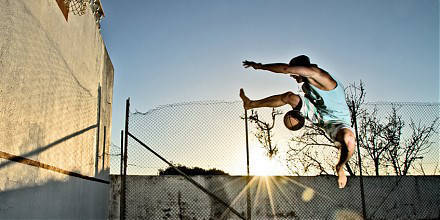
[262, 165]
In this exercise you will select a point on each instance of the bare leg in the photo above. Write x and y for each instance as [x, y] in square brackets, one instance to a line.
[271, 101]
[347, 139]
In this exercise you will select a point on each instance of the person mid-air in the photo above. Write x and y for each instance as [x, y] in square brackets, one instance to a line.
[323, 104]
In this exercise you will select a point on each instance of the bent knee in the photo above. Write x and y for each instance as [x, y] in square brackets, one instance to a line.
[348, 139]
[350, 142]
[291, 99]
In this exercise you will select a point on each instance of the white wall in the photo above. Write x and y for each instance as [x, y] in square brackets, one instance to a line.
[50, 73]
[157, 197]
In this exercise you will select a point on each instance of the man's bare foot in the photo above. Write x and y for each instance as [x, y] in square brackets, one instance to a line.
[342, 179]
[246, 100]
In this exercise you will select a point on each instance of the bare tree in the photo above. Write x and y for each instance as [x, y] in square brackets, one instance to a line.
[377, 137]
[386, 145]
[311, 152]
[383, 141]
[404, 153]
[263, 133]
[355, 98]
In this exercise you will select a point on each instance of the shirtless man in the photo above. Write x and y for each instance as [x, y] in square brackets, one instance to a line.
[323, 103]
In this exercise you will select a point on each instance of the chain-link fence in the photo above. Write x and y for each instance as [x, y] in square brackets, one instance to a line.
[406, 133]
[399, 147]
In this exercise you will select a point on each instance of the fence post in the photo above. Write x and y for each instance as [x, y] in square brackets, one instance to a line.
[103, 149]
[98, 130]
[364, 211]
[121, 210]
[248, 187]
[127, 111]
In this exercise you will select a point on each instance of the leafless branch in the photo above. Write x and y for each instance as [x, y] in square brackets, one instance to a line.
[263, 133]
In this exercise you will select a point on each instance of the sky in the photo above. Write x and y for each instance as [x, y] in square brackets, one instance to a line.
[176, 51]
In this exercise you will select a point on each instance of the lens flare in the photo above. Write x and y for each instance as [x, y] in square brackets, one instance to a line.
[308, 194]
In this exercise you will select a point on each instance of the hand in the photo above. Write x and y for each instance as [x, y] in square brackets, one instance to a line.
[252, 64]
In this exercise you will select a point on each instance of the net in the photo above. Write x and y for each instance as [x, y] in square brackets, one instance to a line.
[77, 7]
[211, 134]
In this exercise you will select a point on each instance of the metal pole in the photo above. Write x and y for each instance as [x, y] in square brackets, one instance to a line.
[124, 177]
[103, 149]
[120, 175]
[248, 191]
[98, 131]
[364, 211]
[122, 153]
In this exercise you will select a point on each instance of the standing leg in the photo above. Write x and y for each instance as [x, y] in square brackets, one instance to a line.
[347, 139]
[271, 101]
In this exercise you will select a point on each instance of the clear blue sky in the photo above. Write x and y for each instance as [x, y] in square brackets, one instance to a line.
[173, 51]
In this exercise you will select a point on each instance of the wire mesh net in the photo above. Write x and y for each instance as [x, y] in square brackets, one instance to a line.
[178, 133]
[77, 7]
[405, 133]
[399, 142]
[211, 135]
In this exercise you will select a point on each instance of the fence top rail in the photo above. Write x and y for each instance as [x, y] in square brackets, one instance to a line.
[189, 103]
[216, 102]
[403, 103]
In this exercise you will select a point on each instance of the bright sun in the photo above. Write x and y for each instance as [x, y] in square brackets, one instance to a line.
[262, 165]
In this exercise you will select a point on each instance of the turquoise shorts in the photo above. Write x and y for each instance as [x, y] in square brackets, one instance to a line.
[310, 112]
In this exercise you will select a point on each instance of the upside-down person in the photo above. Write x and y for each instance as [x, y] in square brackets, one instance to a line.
[323, 104]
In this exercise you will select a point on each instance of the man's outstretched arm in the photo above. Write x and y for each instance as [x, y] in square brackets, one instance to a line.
[283, 68]
[316, 76]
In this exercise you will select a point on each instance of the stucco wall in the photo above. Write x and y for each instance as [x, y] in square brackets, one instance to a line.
[56, 87]
[173, 197]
